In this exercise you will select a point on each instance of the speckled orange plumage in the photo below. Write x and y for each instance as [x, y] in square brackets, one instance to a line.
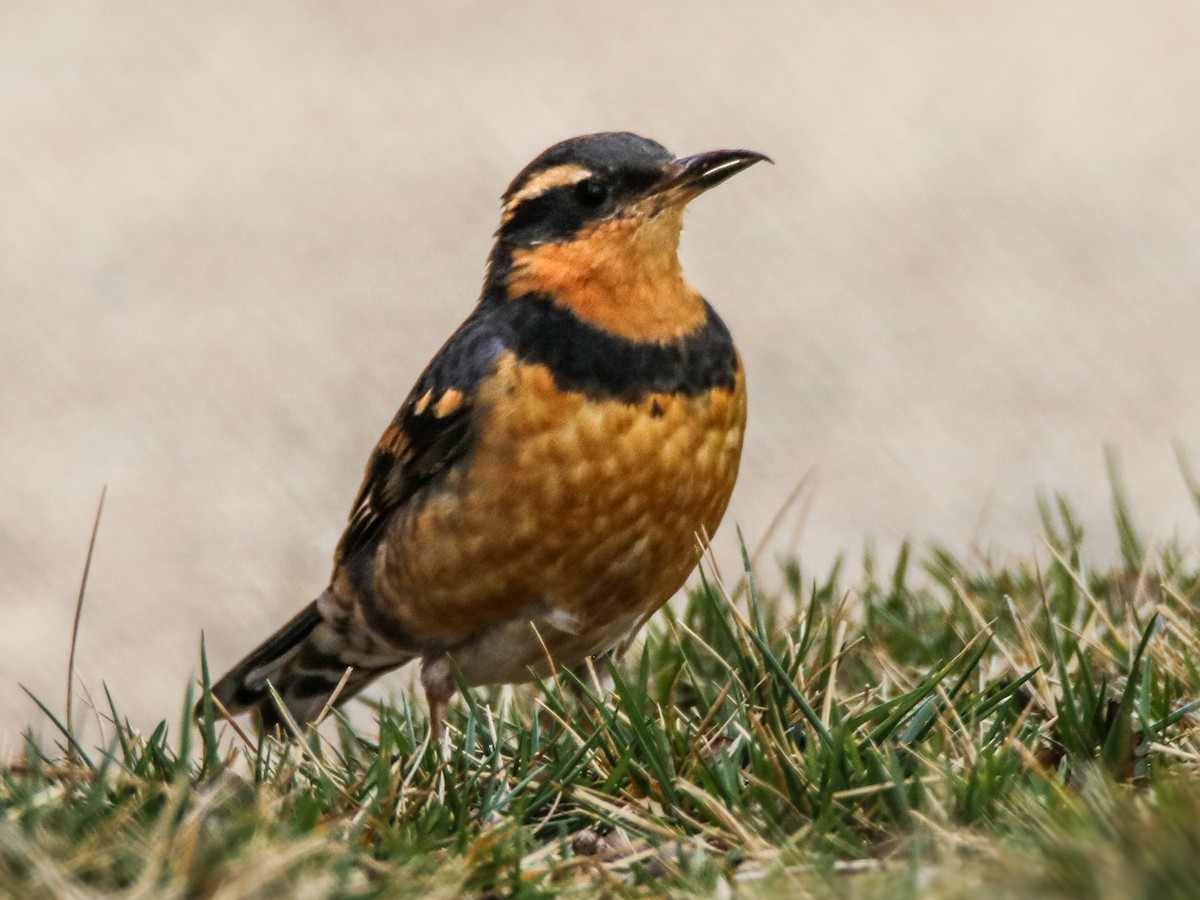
[549, 481]
[593, 507]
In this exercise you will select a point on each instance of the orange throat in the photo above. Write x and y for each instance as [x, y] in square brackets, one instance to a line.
[622, 275]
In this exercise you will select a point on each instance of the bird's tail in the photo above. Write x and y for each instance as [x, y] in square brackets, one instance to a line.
[304, 661]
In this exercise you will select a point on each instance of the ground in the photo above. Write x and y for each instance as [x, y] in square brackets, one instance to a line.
[917, 728]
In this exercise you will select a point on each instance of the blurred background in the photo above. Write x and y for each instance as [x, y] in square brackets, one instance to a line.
[231, 235]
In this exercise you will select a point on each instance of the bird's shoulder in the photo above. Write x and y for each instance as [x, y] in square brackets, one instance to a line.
[432, 432]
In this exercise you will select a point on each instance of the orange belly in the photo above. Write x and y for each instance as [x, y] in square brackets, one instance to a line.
[582, 513]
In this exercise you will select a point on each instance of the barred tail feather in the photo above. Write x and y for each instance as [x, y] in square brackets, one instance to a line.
[304, 661]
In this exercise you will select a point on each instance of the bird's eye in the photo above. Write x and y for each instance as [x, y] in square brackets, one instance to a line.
[590, 193]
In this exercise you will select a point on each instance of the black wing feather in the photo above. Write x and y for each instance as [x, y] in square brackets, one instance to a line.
[419, 446]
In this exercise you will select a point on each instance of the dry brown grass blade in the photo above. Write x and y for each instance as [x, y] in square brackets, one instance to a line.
[780, 514]
[87, 567]
[225, 714]
[332, 701]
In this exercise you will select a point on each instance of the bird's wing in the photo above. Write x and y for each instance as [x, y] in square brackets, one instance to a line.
[433, 431]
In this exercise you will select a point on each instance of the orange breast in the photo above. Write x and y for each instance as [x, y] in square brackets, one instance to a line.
[589, 506]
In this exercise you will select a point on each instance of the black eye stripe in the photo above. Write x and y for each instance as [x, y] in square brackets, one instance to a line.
[530, 211]
[559, 212]
[553, 215]
[591, 192]
[637, 180]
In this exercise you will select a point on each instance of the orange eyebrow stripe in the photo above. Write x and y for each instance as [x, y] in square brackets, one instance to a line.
[542, 182]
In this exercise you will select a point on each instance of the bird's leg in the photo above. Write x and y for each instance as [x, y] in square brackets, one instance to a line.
[595, 675]
[438, 682]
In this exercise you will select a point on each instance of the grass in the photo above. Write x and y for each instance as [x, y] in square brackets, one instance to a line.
[927, 727]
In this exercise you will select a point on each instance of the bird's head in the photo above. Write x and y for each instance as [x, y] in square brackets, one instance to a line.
[593, 224]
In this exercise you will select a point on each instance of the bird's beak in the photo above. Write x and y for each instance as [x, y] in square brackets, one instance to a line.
[690, 176]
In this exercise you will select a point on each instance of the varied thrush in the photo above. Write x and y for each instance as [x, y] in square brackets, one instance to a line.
[546, 486]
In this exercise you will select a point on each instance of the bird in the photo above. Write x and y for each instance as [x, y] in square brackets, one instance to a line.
[550, 480]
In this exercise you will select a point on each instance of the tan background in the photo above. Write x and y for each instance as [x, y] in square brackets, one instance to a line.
[232, 234]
